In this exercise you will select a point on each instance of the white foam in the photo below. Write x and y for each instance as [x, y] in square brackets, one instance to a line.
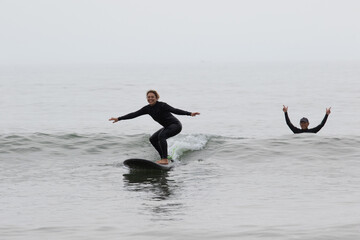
[184, 143]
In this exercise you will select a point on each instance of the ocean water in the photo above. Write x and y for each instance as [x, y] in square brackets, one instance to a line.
[239, 171]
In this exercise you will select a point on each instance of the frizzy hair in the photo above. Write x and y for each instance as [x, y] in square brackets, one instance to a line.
[154, 92]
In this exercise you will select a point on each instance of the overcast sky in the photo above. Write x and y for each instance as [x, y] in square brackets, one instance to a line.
[161, 31]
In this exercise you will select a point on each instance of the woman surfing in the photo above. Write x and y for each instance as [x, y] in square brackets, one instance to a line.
[161, 113]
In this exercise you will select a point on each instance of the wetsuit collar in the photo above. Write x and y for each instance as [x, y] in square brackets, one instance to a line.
[153, 104]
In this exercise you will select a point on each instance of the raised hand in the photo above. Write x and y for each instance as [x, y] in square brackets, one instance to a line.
[328, 110]
[193, 114]
[114, 120]
[285, 109]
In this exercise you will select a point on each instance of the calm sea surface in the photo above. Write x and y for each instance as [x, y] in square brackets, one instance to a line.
[240, 172]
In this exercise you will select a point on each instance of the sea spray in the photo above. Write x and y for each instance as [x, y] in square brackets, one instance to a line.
[184, 143]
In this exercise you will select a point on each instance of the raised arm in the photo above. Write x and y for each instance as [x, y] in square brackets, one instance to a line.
[288, 122]
[317, 128]
[132, 115]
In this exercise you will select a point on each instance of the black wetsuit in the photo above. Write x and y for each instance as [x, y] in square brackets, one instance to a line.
[299, 130]
[161, 113]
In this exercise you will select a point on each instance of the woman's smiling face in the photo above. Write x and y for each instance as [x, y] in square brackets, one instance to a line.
[151, 98]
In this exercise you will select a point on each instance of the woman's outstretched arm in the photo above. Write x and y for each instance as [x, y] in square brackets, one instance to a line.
[132, 115]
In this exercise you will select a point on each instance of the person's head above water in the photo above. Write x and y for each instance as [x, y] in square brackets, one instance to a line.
[152, 96]
[304, 123]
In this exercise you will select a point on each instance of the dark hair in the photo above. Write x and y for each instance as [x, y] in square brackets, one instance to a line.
[154, 92]
[304, 119]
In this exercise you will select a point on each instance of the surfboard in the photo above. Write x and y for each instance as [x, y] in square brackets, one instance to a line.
[143, 164]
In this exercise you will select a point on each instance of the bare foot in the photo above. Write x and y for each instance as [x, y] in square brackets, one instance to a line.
[163, 161]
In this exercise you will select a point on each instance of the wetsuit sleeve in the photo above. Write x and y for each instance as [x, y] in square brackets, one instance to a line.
[316, 129]
[132, 115]
[291, 126]
[169, 108]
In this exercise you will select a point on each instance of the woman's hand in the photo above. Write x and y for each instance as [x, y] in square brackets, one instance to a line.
[114, 120]
[328, 110]
[193, 114]
[285, 108]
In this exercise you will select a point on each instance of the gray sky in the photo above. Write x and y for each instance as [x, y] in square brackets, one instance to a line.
[161, 31]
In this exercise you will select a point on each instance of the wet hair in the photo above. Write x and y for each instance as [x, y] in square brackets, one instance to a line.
[304, 119]
[154, 92]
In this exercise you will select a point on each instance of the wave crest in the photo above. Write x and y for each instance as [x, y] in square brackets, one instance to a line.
[184, 143]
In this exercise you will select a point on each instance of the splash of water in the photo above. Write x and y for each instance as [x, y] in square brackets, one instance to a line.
[185, 143]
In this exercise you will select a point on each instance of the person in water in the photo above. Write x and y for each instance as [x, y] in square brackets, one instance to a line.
[161, 113]
[304, 123]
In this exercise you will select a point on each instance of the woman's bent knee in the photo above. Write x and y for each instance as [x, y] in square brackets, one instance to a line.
[152, 139]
